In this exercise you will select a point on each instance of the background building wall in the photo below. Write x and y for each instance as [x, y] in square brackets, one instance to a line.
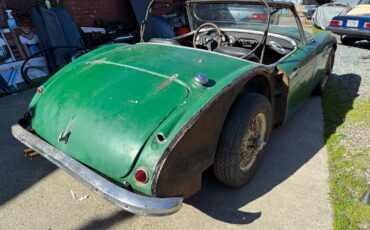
[84, 13]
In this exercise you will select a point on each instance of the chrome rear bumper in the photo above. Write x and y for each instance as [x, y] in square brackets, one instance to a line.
[356, 33]
[129, 201]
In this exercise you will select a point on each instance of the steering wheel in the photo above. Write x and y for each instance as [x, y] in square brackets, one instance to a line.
[207, 40]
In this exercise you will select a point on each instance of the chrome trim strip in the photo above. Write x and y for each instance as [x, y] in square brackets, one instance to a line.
[294, 74]
[129, 201]
[200, 50]
[167, 77]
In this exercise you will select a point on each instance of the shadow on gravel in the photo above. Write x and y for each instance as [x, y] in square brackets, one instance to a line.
[362, 45]
[290, 147]
[342, 89]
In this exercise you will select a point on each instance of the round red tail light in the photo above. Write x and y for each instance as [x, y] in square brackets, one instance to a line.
[40, 90]
[141, 176]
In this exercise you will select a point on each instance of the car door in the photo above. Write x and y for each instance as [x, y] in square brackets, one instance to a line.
[300, 66]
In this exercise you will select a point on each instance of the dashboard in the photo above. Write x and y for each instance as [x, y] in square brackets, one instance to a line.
[279, 44]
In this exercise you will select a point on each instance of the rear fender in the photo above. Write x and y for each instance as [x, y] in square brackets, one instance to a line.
[192, 151]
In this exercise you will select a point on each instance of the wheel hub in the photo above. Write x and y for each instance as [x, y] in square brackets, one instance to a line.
[253, 142]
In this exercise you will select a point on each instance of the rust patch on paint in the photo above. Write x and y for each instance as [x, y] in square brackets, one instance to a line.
[167, 82]
[285, 78]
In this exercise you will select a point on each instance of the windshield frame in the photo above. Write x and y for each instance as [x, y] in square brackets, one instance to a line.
[288, 5]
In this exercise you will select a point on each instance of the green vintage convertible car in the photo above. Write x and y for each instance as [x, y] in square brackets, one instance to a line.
[139, 124]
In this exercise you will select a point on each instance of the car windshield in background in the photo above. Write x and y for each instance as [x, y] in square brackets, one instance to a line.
[230, 14]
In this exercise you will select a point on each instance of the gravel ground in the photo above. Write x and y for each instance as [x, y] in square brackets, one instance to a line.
[353, 61]
[352, 70]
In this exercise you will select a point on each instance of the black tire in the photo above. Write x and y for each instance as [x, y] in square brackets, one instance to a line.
[321, 86]
[233, 144]
[348, 41]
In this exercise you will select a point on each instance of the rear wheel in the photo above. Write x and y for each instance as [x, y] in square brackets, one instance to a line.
[243, 139]
[348, 41]
[321, 86]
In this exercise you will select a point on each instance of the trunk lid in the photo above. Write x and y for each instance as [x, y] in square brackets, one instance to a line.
[106, 111]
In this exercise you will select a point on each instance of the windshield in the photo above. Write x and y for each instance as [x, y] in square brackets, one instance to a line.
[230, 14]
[244, 16]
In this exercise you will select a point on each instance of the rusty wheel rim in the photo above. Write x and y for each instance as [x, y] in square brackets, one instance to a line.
[253, 142]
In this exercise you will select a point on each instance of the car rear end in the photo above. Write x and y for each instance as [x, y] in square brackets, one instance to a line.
[351, 26]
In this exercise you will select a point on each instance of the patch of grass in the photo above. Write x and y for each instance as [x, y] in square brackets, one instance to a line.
[347, 132]
[316, 30]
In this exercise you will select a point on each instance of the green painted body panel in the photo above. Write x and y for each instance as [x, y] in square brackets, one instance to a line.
[309, 60]
[118, 98]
